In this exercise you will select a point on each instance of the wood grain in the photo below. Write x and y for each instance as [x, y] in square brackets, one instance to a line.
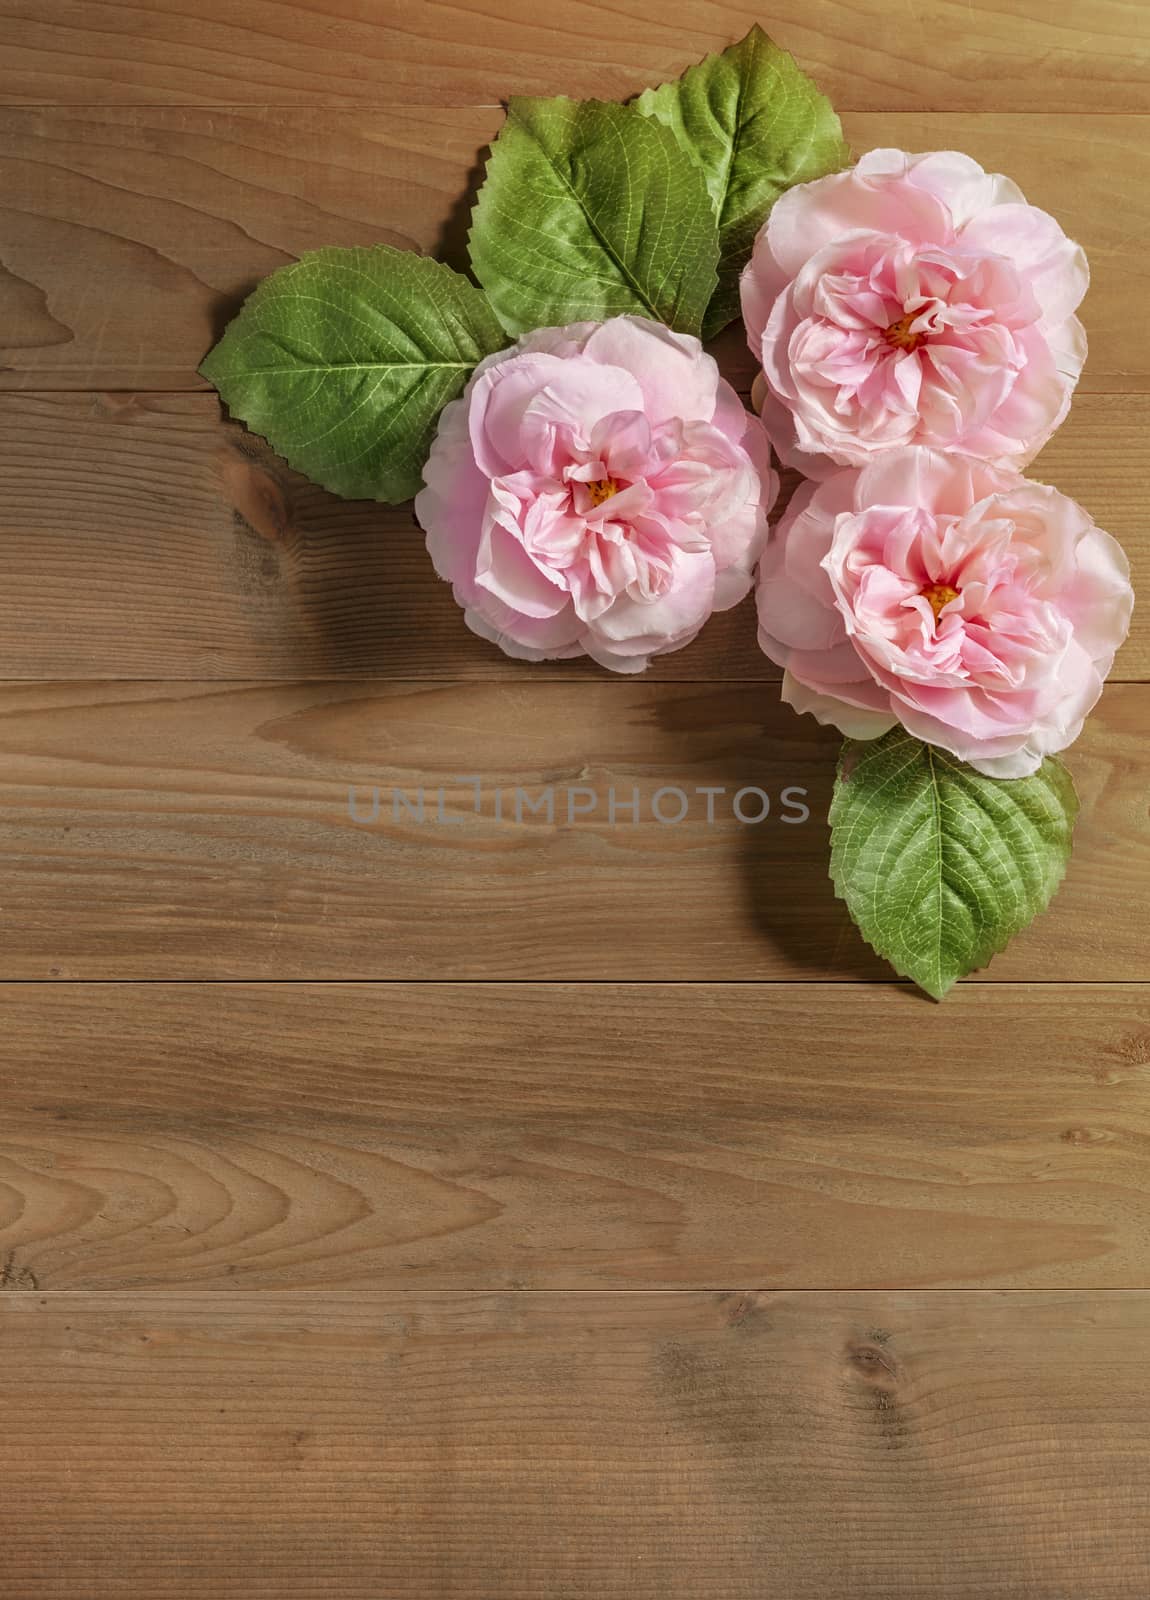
[171, 545]
[679, 1446]
[937, 54]
[537, 1136]
[132, 234]
[193, 830]
[458, 1174]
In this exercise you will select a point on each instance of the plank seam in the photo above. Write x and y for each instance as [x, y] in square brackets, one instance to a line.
[568, 983]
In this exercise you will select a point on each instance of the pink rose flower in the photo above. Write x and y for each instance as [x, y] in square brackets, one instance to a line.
[980, 610]
[598, 490]
[912, 300]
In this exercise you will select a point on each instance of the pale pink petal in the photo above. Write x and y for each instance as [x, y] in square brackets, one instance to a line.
[614, 660]
[978, 608]
[1098, 598]
[915, 300]
[1054, 266]
[761, 282]
[1068, 346]
[598, 490]
[853, 721]
[497, 399]
[581, 394]
[451, 506]
[929, 479]
[556, 638]
[630, 624]
[961, 184]
[506, 570]
[871, 196]
[676, 379]
[1024, 420]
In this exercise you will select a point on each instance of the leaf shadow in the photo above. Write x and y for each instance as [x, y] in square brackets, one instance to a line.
[227, 306]
[451, 244]
[738, 736]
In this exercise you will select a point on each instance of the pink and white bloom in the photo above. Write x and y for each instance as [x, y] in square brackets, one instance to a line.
[597, 490]
[978, 609]
[912, 300]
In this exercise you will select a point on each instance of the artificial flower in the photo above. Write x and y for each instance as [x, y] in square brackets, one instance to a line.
[915, 299]
[597, 490]
[978, 609]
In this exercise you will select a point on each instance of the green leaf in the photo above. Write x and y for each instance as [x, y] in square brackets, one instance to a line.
[344, 360]
[755, 124]
[589, 211]
[939, 866]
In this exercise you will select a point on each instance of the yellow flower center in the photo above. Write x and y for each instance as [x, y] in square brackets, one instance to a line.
[938, 595]
[899, 337]
[602, 489]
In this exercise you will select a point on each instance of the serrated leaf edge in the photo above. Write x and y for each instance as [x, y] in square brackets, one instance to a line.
[939, 989]
[513, 325]
[271, 286]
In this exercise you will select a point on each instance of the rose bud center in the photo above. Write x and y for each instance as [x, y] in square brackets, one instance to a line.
[938, 595]
[602, 489]
[899, 337]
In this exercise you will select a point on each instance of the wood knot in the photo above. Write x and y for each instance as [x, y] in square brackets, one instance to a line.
[743, 1308]
[1134, 1049]
[873, 1362]
[1086, 1136]
[256, 495]
[15, 1276]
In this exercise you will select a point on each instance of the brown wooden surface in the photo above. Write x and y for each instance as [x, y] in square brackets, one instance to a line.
[527, 1289]
[519, 1136]
[506, 1446]
[172, 545]
[203, 830]
[866, 54]
[131, 234]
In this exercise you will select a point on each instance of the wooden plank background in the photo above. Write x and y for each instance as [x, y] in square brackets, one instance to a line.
[510, 1136]
[160, 830]
[504, 1446]
[982, 54]
[204, 556]
[131, 234]
[443, 1210]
